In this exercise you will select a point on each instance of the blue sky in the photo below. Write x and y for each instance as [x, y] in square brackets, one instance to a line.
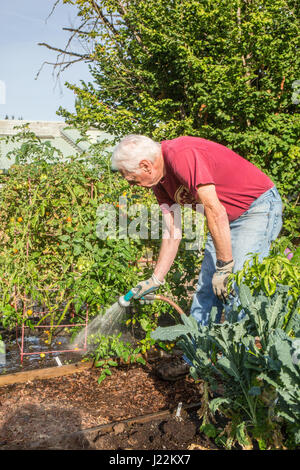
[22, 25]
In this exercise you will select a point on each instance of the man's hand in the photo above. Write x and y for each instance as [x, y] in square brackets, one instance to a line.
[147, 287]
[220, 279]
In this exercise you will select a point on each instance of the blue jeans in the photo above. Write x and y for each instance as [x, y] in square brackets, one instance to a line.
[252, 232]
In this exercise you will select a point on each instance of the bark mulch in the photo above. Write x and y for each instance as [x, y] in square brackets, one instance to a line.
[37, 413]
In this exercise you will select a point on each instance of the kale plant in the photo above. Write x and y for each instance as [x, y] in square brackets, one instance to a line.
[254, 359]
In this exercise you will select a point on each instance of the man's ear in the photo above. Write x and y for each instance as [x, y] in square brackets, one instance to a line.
[146, 166]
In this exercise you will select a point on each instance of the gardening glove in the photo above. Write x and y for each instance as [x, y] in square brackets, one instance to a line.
[147, 287]
[220, 279]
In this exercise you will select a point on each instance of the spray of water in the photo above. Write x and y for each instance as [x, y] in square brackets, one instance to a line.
[107, 324]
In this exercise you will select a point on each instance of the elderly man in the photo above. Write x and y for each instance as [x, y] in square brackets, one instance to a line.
[241, 204]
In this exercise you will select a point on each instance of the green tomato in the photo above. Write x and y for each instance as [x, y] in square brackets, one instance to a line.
[84, 264]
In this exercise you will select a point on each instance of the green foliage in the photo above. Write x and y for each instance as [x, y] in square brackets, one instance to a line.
[260, 378]
[50, 251]
[222, 70]
[52, 258]
[113, 346]
[282, 372]
[275, 269]
[31, 148]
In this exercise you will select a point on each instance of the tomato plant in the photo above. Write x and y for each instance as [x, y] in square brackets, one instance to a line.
[53, 263]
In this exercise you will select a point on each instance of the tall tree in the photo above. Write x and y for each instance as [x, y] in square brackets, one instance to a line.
[220, 69]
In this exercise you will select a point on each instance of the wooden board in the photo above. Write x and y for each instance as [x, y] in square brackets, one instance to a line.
[138, 419]
[93, 432]
[46, 373]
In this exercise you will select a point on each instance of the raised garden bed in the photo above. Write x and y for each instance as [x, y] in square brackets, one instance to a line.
[74, 412]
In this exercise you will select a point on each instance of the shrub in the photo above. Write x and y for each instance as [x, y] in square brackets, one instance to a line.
[51, 255]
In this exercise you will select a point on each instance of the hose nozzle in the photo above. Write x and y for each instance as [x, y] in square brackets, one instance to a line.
[125, 300]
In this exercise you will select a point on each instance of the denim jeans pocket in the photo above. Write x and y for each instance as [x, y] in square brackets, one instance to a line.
[262, 207]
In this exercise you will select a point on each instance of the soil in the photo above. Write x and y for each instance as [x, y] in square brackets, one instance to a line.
[164, 434]
[60, 413]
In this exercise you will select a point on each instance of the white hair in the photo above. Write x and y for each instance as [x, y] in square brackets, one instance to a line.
[131, 150]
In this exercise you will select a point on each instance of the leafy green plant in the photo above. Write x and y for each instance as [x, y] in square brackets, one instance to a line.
[108, 348]
[240, 354]
[52, 260]
[282, 373]
[31, 148]
[275, 269]
[50, 252]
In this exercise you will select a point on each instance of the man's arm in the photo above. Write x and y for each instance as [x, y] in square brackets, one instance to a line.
[168, 250]
[217, 221]
[169, 247]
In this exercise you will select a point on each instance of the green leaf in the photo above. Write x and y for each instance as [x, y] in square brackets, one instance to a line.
[169, 333]
[242, 436]
[101, 378]
[77, 250]
[112, 363]
[245, 296]
[64, 238]
[145, 324]
[216, 403]
[88, 246]
[99, 363]
[209, 430]
[141, 360]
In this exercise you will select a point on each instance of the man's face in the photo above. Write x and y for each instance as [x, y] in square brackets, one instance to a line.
[148, 175]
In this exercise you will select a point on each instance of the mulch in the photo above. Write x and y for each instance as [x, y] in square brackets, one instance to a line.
[39, 410]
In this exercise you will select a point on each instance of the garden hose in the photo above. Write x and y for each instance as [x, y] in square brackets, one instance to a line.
[125, 300]
[164, 299]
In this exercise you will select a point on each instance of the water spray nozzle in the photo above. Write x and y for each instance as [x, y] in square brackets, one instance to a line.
[124, 300]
